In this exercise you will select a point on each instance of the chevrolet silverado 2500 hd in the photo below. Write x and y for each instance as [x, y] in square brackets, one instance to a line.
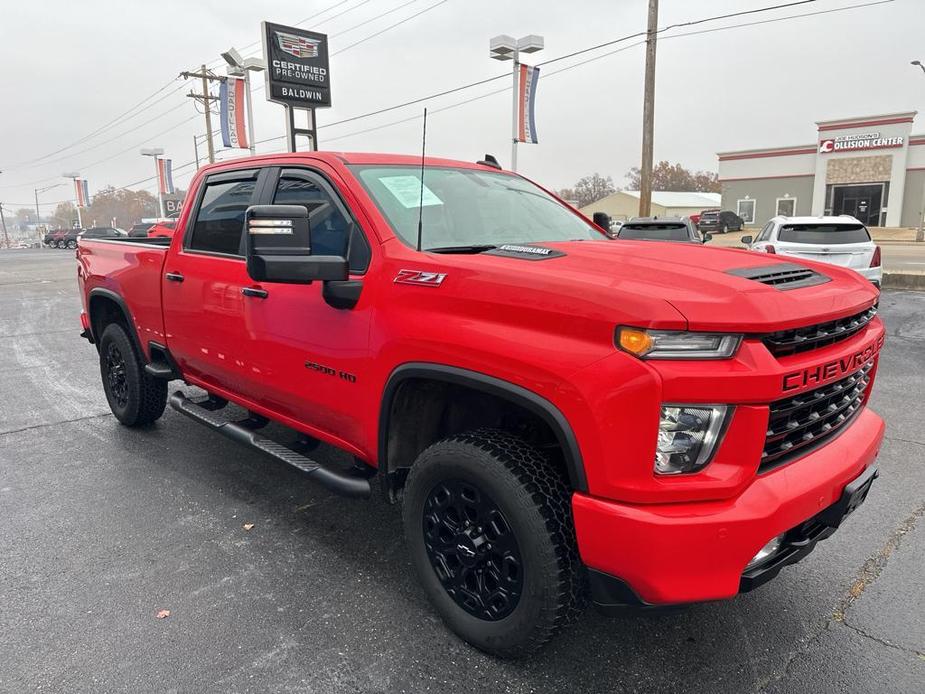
[561, 415]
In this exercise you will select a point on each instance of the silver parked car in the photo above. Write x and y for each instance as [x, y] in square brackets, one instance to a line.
[841, 240]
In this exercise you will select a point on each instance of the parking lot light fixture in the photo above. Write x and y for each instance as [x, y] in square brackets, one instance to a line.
[74, 175]
[504, 47]
[242, 67]
[156, 152]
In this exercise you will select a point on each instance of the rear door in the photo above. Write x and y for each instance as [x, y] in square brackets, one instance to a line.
[204, 278]
[847, 244]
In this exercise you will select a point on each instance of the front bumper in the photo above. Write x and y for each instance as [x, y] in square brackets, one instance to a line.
[695, 551]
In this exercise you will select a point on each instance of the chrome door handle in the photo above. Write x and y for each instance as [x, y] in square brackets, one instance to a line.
[255, 292]
[173, 276]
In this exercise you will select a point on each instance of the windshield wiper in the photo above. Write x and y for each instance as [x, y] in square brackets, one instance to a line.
[480, 248]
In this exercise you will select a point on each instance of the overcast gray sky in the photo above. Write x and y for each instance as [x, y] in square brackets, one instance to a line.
[70, 67]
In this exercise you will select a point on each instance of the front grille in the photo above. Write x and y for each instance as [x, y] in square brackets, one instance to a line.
[805, 421]
[783, 276]
[785, 342]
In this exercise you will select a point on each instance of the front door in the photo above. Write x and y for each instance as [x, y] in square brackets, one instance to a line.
[313, 359]
[204, 303]
[863, 202]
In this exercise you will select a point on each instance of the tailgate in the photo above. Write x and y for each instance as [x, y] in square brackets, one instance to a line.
[855, 256]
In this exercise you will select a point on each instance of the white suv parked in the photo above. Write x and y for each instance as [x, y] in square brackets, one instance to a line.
[839, 240]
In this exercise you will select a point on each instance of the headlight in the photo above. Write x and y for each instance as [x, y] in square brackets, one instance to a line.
[676, 344]
[687, 437]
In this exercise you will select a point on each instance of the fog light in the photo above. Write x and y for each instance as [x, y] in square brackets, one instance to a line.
[766, 552]
[687, 437]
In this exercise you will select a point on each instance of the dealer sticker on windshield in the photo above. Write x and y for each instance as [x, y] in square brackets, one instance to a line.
[408, 191]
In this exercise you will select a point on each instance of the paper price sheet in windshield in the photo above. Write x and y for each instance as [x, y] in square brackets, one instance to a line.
[407, 190]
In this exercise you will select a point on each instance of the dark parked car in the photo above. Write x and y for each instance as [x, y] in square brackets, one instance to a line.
[103, 233]
[661, 229]
[720, 221]
[140, 229]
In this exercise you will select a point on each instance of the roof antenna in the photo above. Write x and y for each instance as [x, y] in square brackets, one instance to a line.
[421, 200]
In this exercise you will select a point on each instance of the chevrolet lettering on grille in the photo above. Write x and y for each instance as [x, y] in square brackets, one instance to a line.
[836, 368]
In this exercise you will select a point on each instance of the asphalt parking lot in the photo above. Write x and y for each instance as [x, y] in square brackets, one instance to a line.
[102, 527]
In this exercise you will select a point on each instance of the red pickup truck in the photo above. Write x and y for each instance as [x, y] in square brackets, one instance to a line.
[562, 415]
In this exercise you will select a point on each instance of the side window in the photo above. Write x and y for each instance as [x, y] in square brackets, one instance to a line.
[333, 233]
[766, 232]
[220, 218]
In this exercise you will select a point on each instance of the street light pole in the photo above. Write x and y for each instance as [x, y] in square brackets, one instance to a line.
[504, 47]
[74, 175]
[238, 67]
[38, 214]
[155, 152]
[920, 234]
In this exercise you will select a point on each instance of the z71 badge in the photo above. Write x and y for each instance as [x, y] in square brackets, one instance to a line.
[420, 278]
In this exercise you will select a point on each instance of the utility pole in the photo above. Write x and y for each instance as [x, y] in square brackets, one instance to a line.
[206, 100]
[648, 115]
[6, 236]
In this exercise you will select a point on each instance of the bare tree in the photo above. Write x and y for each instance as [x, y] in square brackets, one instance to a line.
[589, 189]
[666, 176]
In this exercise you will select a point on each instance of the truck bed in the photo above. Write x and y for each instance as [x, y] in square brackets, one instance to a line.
[127, 270]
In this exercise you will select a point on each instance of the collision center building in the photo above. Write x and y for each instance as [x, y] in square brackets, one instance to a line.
[871, 168]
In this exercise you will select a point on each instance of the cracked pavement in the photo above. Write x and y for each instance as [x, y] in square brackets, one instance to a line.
[102, 527]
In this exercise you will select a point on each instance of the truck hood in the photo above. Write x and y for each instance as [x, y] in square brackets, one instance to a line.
[642, 281]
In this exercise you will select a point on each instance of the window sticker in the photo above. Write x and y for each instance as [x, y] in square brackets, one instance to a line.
[407, 190]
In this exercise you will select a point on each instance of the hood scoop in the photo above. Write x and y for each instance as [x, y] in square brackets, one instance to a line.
[783, 276]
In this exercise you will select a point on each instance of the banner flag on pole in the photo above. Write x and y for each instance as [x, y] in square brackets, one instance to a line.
[83, 192]
[165, 176]
[526, 110]
[231, 97]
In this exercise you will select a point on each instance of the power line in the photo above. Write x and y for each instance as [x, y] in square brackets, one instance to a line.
[388, 28]
[553, 60]
[124, 117]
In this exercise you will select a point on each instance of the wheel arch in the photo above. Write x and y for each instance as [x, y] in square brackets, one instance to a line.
[105, 306]
[506, 391]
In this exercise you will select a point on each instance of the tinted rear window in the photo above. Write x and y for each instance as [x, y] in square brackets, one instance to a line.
[828, 234]
[655, 232]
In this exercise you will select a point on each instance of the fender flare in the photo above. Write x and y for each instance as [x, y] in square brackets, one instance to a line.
[123, 307]
[505, 390]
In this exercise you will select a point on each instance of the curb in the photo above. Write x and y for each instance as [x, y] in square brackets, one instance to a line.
[904, 280]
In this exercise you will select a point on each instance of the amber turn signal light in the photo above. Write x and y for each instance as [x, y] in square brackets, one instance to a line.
[634, 341]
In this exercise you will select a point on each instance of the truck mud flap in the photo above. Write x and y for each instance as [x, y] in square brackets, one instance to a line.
[337, 481]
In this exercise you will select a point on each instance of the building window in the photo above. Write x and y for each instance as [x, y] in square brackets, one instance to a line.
[746, 210]
[786, 207]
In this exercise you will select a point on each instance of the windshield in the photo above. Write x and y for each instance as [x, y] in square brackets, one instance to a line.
[828, 234]
[468, 207]
[655, 232]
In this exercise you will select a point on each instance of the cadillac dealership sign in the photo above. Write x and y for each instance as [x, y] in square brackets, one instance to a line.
[297, 66]
[849, 143]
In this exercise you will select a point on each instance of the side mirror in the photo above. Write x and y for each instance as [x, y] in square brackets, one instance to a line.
[278, 247]
[747, 240]
[602, 219]
[707, 237]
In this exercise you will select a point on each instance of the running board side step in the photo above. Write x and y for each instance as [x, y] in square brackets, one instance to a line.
[340, 482]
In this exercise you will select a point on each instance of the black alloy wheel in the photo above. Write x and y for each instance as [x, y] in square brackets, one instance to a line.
[135, 397]
[473, 550]
[488, 524]
[115, 374]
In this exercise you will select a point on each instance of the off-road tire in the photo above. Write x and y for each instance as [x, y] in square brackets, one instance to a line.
[136, 399]
[535, 500]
